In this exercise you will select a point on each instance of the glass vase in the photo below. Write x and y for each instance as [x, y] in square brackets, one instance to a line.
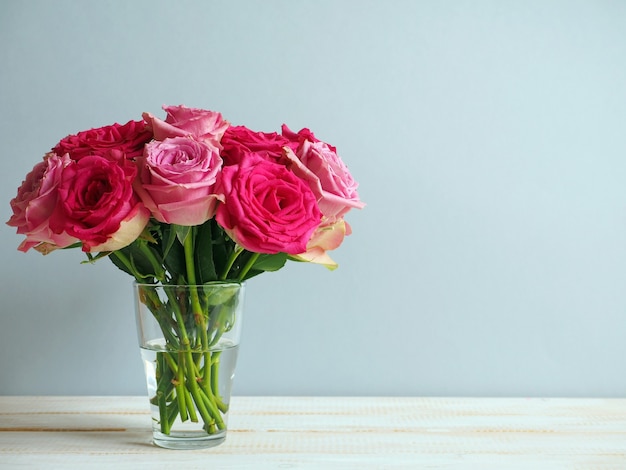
[189, 338]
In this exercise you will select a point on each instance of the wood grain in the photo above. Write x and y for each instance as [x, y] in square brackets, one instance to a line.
[324, 433]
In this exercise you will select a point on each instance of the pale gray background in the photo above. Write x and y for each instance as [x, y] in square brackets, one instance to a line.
[489, 139]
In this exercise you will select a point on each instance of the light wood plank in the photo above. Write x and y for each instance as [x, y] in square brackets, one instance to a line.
[324, 433]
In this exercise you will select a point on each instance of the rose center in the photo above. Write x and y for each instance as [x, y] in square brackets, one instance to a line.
[94, 192]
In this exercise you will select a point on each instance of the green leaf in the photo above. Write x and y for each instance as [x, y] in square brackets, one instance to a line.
[171, 242]
[73, 245]
[250, 274]
[222, 246]
[182, 232]
[264, 263]
[203, 253]
[121, 265]
[151, 255]
[168, 240]
[175, 262]
[138, 259]
[226, 295]
[270, 262]
[91, 259]
[147, 234]
[125, 260]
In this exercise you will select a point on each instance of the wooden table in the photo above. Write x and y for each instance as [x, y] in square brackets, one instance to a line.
[324, 433]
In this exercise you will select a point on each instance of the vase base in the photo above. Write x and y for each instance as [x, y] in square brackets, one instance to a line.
[187, 441]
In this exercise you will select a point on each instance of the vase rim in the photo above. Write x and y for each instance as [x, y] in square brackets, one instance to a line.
[209, 284]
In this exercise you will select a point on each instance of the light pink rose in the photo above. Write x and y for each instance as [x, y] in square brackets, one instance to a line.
[181, 121]
[266, 209]
[328, 177]
[35, 201]
[124, 141]
[97, 205]
[177, 178]
[325, 238]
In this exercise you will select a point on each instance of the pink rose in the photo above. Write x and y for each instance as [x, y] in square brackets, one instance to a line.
[319, 165]
[298, 137]
[177, 178]
[203, 125]
[239, 140]
[325, 238]
[266, 209]
[35, 201]
[97, 204]
[124, 141]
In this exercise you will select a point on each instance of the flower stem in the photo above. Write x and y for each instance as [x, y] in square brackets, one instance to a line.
[189, 262]
[231, 260]
[191, 277]
[203, 397]
[157, 265]
[129, 266]
[248, 265]
[215, 365]
[180, 387]
[195, 391]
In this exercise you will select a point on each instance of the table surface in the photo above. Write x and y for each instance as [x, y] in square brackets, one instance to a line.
[324, 433]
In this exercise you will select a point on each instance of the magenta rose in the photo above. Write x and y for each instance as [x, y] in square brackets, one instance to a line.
[35, 201]
[296, 138]
[177, 178]
[97, 204]
[181, 121]
[328, 177]
[125, 141]
[239, 141]
[266, 209]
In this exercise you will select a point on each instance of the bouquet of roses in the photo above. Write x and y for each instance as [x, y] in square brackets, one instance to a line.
[189, 200]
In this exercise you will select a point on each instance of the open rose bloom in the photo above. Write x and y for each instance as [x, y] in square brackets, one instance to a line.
[144, 190]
